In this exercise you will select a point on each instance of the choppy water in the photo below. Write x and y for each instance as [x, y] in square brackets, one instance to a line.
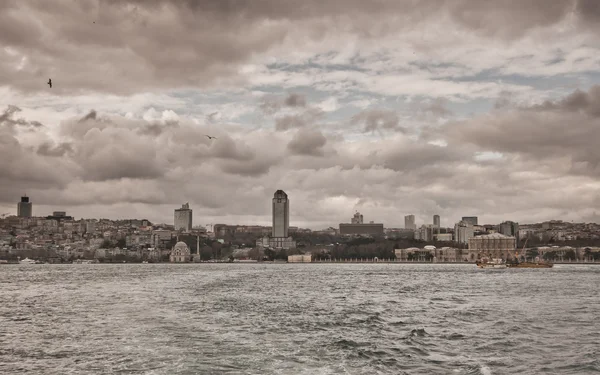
[298, 319]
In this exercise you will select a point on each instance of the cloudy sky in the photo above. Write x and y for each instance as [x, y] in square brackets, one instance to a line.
[390, 108]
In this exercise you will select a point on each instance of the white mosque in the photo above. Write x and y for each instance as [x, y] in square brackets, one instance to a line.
[180, 253]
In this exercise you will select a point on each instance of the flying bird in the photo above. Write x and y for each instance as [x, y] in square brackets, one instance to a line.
[209, 137]
[50, 82]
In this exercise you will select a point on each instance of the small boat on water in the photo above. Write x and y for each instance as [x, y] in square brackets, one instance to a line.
[491, 264]
[530, 265]
[27, 261]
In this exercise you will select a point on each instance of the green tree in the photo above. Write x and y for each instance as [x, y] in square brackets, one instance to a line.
[106, 244]
[570, 255]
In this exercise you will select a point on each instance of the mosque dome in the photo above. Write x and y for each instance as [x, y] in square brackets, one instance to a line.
[180, 252]
[181, 248]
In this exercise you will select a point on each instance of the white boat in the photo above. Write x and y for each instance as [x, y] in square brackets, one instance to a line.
[27, 261]
[492, 264]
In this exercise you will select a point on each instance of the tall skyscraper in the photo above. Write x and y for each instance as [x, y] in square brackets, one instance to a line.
[281, 214]
[183, 218]
[436, 221]
[409, 222]
[472, 220]
[24, 207]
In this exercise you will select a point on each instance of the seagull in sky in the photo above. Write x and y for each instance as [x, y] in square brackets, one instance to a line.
[209, 137]
[50, 82]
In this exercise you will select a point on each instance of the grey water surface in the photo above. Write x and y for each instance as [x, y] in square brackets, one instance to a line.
[298, 319]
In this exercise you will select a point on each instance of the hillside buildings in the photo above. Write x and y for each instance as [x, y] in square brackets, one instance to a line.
[463, 230]
[183, 218]
[509, 228]
[471, 220]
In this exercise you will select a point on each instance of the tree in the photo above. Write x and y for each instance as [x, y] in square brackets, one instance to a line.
[532, 253]
[121, 243]
[106, 244]
[570, 255]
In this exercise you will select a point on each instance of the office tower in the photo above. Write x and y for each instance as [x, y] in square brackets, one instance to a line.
[409, 222]
[24, 207]
[436, 221]
[472, 220]
[281, 214]
[183, 218]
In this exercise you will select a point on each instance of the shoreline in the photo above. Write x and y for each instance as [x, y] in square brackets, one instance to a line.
[284, 262]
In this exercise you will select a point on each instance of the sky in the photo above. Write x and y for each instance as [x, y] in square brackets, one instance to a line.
[457, 108]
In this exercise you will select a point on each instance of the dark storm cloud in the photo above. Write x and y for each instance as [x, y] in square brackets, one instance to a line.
[377, 119]
[589, 10]
[586, 102]
[438, 107]
[273, 104]
[566, 131]
[50, 149]
[295, 100]
[7, 119]
[127, 49]
[308, 117]
[92, 115]
[307, 142]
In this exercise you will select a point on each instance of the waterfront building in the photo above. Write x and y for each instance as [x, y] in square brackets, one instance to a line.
[495, 245]
[302, 258]
[180, 253]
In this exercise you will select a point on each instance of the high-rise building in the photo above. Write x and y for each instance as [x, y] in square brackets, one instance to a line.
[357, 218]
[24, 207]
[436, 221]
[409, 222]
[281, 214]
[280, 238]
[509, 228]
[472, 220]
[463, 230]
[183, 218]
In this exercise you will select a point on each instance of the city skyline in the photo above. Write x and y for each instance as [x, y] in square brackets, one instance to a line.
[280, 214]
[388, 109]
